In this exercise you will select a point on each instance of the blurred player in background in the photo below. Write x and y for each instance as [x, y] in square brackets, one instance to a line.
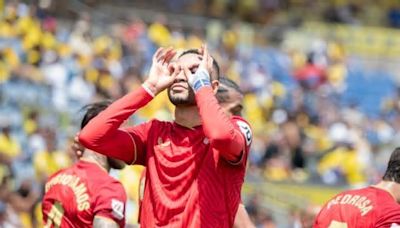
[195, 165]
[84, 195]
[373, 206]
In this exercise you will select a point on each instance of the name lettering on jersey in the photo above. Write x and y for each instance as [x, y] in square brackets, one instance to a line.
[246, 131]
[361, 202]
[73, 182]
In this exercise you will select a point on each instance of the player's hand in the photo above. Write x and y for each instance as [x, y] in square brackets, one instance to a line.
[161, 74]
[77, 148]
[207, 60]
[202, 75]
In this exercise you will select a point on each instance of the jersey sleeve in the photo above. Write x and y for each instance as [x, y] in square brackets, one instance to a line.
[104, 135]
[110, 203]
[224, 135]
[243, 126]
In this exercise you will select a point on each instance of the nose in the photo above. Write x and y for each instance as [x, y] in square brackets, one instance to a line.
[181, 77]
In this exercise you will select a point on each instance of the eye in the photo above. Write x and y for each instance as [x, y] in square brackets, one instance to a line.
[193, 69]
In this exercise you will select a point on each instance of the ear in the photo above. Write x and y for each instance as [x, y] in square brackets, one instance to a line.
[215, 85]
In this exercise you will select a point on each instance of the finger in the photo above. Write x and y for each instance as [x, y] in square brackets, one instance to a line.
[172, 68]
[201, 49]
[158, 53]
[163, 55]
[187, 72]
[210, 63]
[170, 55]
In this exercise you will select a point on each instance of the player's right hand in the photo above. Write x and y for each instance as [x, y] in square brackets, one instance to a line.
[162, 72]
[77, 148]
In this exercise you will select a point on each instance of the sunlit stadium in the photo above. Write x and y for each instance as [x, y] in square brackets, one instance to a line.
[319, 83]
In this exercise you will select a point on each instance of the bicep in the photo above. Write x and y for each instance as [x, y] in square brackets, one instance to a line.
[104, 222]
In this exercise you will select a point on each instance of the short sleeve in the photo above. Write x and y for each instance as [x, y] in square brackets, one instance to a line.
[244, 127]
[110, 202]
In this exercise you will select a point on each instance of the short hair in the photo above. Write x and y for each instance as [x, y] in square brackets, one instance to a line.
[393, 169]
[92, 110]
[195, 51]
[224, 85]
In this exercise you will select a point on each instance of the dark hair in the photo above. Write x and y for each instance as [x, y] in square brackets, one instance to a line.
[393, 169]
[195, 51]
[93, 110]
[224, 85]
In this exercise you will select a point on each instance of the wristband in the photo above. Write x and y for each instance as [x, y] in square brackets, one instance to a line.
[200, 79]
[148, 90]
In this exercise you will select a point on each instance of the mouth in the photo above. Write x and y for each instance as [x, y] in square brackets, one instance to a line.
[178, 87]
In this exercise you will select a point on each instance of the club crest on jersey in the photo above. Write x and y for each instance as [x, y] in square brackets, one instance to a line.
[117, 209]
[246, 131]
[161, 143]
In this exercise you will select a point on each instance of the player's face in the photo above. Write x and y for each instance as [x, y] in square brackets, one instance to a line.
[233, 103]
[115, 163]
[180, 93]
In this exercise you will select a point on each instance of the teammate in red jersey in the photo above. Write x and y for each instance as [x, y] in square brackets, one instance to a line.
[196, 164]
[84, 195]
[373, 206]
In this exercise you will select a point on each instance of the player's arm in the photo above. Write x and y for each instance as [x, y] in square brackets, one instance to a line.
[103, 222]
[242, 219]
[103, 133]
[217, 126]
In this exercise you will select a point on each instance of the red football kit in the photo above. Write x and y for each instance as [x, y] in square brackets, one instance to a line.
[366, 207]
[74, 196]
[193, 175]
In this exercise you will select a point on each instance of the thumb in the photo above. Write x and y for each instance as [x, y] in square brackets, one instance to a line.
[187, 72]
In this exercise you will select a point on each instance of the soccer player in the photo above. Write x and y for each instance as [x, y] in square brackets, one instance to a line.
[195, 165]
[373, 206]
[85, 195]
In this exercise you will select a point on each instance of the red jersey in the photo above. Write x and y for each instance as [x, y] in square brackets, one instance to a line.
[74, 196]
[193, 175]
[366, 207]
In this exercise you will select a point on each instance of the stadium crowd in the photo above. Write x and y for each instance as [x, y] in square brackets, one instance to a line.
[303, 132]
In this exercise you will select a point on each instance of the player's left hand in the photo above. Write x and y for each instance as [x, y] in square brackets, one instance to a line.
[207, 60]
[202, 76]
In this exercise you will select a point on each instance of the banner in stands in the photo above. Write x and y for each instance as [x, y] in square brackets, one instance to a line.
[358, 40]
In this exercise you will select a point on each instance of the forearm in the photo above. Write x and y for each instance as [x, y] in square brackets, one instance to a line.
[218, 126]
[102, 133]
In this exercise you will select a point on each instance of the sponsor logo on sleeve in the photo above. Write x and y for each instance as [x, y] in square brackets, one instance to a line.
[395, 225]
[117, 209]
[246, 131]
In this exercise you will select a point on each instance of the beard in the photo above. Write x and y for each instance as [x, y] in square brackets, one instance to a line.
[184, 98]
[115, 164]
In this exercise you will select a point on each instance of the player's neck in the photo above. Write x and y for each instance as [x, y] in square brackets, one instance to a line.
[98, 159]
[187, 116]
[392, 187]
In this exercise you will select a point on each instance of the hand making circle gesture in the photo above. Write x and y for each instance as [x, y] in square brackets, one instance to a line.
[162, 72]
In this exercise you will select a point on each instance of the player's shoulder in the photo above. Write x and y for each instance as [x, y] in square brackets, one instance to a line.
[112, 189]
[61, 171]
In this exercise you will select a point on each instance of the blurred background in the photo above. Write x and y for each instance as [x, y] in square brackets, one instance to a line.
[321, 81]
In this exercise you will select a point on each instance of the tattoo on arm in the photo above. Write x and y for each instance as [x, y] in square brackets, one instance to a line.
[102, 222]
